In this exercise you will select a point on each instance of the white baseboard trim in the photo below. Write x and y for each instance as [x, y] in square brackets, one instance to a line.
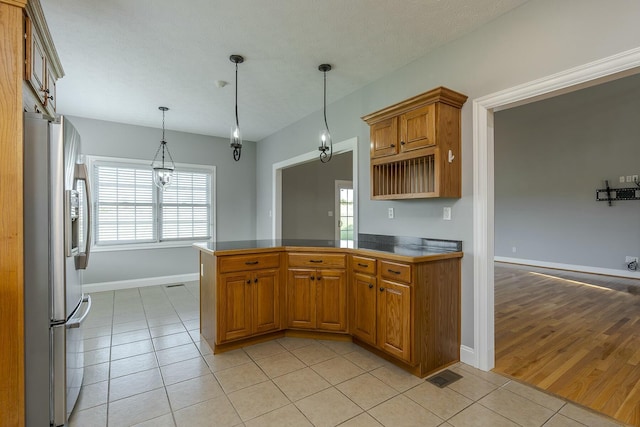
[468, 356]
[571, 267]
[138, 283]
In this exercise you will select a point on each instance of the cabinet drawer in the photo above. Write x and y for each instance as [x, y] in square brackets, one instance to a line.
[248, 262]
[395, 271]
[317, 260]
[364, 265]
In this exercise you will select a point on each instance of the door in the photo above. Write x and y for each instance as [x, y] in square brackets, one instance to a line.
[394, 314]
[332, 300]
[266, 300]
[384, 137]
[365, 292]
[301, 298]
[417, 128]
[235, 307]
[345, 218]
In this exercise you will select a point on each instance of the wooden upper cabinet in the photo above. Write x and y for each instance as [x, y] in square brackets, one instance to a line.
[384, 138]
[418, 128]
[416, 148]
[42, 67]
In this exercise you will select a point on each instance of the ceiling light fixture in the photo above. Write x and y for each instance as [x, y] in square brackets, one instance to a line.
[162, 170]
[236, 136]
[326, 145]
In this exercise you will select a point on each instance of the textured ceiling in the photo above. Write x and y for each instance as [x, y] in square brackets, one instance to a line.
[124, 58]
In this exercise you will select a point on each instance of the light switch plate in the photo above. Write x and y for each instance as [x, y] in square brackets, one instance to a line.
[446, 213]
[391, 213]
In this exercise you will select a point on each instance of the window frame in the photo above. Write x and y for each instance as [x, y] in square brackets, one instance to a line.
[91, 160]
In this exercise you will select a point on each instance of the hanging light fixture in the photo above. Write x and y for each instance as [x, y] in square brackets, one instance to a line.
[236, 136]
[163, 169]
[326, 145]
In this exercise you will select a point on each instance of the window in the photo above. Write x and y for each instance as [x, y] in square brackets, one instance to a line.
[130, 210]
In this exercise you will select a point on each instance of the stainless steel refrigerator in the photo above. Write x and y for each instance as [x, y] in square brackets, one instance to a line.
[57, 235]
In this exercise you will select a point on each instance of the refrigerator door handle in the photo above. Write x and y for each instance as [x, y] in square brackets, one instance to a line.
[75, 323]
[82, 173]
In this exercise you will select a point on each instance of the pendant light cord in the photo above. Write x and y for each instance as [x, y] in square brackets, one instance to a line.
[324, 158]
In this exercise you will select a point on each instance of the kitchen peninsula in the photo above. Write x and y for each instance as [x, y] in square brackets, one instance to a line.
[398, 297]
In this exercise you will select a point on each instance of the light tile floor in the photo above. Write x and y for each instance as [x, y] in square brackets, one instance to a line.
[147, 366]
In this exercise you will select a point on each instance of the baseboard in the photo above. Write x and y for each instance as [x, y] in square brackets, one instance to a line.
[138, 283]
[570, 267]
[468, 356]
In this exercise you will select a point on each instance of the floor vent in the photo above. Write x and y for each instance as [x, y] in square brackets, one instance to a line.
[444, 378]
[175, 286]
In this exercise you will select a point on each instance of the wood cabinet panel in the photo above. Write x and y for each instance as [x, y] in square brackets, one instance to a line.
[365, 293]
[363, 264]
[36, 62]
[266, 300]
[394, 319]
[331, 306]
[301, 299]
[317, 260]
[418, 128]
[235, 307]
[395, 271]
[249, 262]
[384, 138]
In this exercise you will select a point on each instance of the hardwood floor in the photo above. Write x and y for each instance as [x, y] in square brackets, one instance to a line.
[573, 334]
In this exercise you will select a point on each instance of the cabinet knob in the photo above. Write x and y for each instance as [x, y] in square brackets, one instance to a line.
[381, 289]
[249, 282]
[401, 142]
[319, 277]
[255, 280]
[393, 146]
[370, 286]
[313, 278]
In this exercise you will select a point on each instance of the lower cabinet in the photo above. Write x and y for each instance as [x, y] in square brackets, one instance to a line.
[249, 304]
[317, 299]
[394, 319]
[365, 295]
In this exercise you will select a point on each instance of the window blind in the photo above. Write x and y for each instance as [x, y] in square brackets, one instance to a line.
[130, 209]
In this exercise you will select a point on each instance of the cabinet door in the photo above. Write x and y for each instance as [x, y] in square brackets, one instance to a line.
[235, 306]
[384, 138]
[50, 97]
[364, 292]
[332, 300]
[394, 319]
[266, 300]
[36, 66]
[301, 299]
[418, 128]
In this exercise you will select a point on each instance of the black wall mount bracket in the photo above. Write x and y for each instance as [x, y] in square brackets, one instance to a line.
[609, 194]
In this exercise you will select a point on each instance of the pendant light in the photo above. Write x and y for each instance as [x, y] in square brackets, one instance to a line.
[236, 136]
[326, 145]
[163, 169]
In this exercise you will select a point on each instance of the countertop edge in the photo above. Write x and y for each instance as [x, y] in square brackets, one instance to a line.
[369, 252]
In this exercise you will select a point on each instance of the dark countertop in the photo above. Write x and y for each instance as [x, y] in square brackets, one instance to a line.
[410, 247]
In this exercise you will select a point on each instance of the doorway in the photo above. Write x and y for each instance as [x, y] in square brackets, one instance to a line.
[345, 220]
[347, 146]
[607, 69]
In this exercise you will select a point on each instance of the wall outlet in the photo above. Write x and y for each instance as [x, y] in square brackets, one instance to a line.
[629, 259]
[514, 249]
[629, 179]
[446, 213]
[391, 213]
[330, 213]
[622, 179]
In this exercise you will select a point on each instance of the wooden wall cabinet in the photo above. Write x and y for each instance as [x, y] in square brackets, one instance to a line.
[317, 297]
[42, 67]
[415, 147]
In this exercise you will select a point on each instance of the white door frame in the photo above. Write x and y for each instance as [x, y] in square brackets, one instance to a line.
[276, 203]
[340, 183]
[610, 68]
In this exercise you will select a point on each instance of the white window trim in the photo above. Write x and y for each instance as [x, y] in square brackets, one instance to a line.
[91, 159]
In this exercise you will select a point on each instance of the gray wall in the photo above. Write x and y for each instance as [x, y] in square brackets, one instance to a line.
[550, 157]
[235, 194]
[308, 193]
[538, 39]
